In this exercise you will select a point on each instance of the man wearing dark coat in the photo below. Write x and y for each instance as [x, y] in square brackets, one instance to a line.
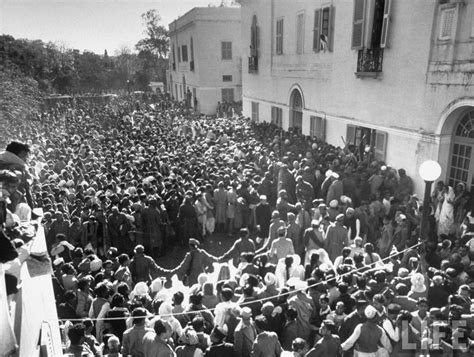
[187, 220]
[263, 213]
[195, 262]
[219, 348]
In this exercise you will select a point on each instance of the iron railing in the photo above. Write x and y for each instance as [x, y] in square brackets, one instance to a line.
[370, 60]
[253, 64]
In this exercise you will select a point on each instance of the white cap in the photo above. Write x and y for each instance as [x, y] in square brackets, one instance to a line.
[370, 312]
[270, 279]
[140, 289]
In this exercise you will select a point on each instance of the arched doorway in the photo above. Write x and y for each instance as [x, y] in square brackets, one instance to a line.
[296, 110]
[461, 162]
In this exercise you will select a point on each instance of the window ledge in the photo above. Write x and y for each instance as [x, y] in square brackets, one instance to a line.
[368, 74]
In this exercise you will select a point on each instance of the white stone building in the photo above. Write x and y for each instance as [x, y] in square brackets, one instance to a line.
[394, 74]
[205, 57]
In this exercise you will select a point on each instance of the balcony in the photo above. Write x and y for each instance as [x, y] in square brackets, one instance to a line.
[253, 64]
[369, 62]
[191, 66]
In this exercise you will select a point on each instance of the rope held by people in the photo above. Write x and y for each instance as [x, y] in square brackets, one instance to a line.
[257, 300]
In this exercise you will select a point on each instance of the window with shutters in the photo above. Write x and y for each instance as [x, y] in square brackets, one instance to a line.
[370, 29]
[191, 50]
[446, 23]
[226, 50]
[380, 145]
[184, 53]
[173, 58]
[317, 127]
[300, 33]
[358, 24]
[227, 94]
[227, 78]
[362, 138]
[254, 44]
[370, 23]
[279, 37]
[277, 116]
[255, 111]
[323, 29]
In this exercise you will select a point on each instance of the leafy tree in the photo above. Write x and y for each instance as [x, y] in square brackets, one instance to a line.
[19, 95]
[157, 37]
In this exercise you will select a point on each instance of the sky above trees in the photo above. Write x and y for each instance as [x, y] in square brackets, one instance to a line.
[93, 25]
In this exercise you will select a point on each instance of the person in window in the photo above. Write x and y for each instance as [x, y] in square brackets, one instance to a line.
[323, 42]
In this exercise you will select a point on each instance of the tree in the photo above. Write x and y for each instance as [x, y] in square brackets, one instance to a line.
[19, 95]
[157, 37]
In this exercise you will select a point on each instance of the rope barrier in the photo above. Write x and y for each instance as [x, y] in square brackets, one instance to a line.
[257, 300]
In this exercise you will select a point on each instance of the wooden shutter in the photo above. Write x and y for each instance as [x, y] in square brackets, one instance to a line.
[332, 16]
[385, 24]
[257, 39]
[317, 30]
[279, 37]
[350, 135]
[300, 33]
[321, 128]
[253, 37]
[358, 25]
[380, 145]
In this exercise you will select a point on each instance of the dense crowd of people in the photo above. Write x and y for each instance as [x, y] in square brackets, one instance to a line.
[326, 258]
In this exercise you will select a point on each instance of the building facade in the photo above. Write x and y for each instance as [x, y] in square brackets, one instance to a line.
[205, 57]
[392, 74]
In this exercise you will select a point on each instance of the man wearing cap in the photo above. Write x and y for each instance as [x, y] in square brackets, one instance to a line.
[335, 190]
[281, 247]
[313, 238]
[367, 337]
[405, 185]
[143, 267]
[245, 333]
[263, 215]
[275, 224]
[155, 344]
[329, 344]
[304, 192]
[195, 262]
[241, 245]
[336, 238]
[319, 209]
[266, 344]
[133, 337]
[219, 347]
[187, 219]
[294, 232]
[117, 224]
[355, 318]
[388, 323]
[402, 233]
[303, 304]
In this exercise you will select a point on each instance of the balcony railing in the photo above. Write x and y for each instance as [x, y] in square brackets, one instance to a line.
[369, 62]
[191, 66]
[253, 64]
